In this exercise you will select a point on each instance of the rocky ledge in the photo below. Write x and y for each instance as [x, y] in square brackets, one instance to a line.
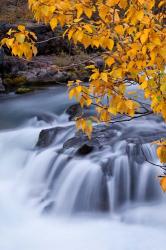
[102, 137]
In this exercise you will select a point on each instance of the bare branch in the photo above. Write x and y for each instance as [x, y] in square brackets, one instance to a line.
[152, 163]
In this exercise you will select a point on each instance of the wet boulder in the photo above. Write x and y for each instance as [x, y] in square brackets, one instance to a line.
[47, 136]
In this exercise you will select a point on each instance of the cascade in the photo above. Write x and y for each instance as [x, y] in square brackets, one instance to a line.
[43, 179]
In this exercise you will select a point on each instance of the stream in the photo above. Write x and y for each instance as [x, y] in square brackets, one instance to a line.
[109, 199]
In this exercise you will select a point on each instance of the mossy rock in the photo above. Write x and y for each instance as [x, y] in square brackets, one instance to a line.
[21, 91]
[19, 80]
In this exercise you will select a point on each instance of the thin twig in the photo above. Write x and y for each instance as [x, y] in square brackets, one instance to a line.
[154, 164]
[49, 39]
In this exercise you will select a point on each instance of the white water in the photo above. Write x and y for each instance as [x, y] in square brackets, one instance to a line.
[30, 180]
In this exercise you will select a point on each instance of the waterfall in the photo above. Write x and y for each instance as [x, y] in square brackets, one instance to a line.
[59, 197]
[61, 183]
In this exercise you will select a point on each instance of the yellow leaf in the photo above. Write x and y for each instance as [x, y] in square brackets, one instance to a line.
[53, 23]
[104, 77]
[33, 35]
[88, 28]
[79, 35]
[88, 102]
[110, 61]
[88, 12]
[130, 104]
[163, 183]
[71, 93]
[161, 153]
[112, 110]
[78, 89]
[123, 3]
[140, 14]
[34, 50]
[70, 33]
[21, 28]
[110, 44]
[144, 36]
[9, 42]
[119, 29]
[20, 37]
[95, 76]
[79, 10]
[161, 3]
[10, 32]
[96, 43]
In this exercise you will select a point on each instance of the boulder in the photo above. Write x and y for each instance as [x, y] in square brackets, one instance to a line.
[47, 136]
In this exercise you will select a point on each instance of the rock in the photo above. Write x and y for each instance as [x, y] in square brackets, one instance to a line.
[2, 88]
[99, 63]
[13, 65]
[73, 111]
[15, 81]
[18, 72]
[47, 136]
[46, 76]
[21, 91]
[81, 144]
[85, 149]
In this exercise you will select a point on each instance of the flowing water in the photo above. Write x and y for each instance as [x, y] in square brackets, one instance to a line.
[109, 199]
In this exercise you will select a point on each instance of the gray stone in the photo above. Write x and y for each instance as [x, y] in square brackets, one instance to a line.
[2, 88]
[47, 136]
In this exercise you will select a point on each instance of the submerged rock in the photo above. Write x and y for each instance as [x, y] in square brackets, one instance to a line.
[21, 91]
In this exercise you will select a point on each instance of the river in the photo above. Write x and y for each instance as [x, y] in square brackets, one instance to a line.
[50, 201]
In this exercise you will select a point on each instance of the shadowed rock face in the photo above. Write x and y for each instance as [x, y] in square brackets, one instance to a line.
[85, 150]
[47, 136]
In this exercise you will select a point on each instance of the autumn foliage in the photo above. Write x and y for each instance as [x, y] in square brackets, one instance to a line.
[131, 37]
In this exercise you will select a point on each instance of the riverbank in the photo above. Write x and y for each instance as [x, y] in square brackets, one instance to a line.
[57, 61]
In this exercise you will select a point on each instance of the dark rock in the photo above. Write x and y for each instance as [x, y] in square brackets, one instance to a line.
[2, 88]
[79, 141]
[47, 136]
[47, 76]
[13, 66]
[21, 72]
[73, 111]
[85, 149]
[100, 64]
